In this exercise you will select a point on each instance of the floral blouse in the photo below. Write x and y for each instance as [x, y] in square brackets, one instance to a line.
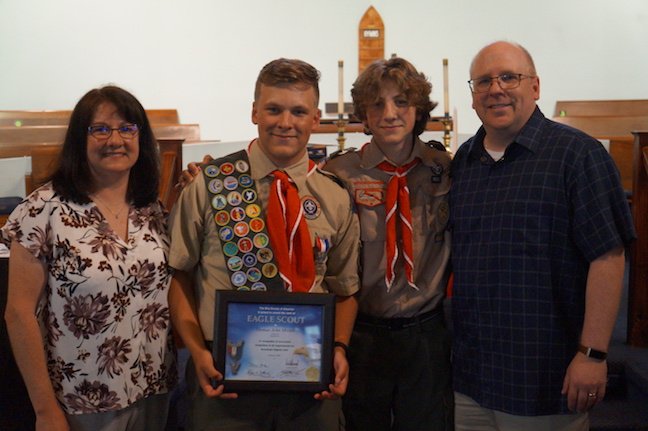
[104, 314]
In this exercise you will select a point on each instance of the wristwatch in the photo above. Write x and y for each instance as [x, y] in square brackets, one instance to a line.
[592, 353]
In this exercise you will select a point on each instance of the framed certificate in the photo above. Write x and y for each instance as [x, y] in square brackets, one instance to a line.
[274, 341]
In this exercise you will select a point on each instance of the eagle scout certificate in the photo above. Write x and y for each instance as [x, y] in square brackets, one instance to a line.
[274, 340]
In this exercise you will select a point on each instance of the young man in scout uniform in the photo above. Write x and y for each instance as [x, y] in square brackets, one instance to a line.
[400, 348]
[313, 236]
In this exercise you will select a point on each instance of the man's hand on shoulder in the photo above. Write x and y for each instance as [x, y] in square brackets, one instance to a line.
[193, 170]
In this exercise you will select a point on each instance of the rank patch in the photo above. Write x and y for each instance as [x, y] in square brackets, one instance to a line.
[311, 207]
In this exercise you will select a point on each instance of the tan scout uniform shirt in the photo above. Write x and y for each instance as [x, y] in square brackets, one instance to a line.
[428, 184]
[196, 248]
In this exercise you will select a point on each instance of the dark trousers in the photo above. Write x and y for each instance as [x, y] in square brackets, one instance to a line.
[400, 376]
[259, 411]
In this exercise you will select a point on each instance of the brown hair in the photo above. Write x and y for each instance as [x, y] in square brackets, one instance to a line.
[284, 72]
[414, 84]
[73, 181]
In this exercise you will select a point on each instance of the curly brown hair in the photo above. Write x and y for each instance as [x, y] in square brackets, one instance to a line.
[414, 84]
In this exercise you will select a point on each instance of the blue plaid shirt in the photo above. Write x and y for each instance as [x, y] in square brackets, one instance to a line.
[524, 231]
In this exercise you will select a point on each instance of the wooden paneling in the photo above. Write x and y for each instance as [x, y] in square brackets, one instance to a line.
[638, 285]
[19, 141]
[15, 118]
[590, 108]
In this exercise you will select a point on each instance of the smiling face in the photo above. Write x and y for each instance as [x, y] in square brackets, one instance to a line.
[285, 117]
[504, 112]
[391, 118]
[115, 156]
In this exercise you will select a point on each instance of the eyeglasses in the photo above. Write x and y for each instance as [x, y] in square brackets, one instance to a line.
[101, 131]
[506, 81]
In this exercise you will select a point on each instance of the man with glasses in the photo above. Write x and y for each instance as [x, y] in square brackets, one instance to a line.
[539, 223]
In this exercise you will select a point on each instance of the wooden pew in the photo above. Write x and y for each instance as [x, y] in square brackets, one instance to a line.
[17, 118]
[19, 141]
[596, 108]
[613, 120]
[637, 292]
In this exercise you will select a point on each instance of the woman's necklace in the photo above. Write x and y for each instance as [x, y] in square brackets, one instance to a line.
[114, 214]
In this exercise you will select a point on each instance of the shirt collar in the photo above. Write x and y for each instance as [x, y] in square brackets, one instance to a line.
[372, 155]
[528, 137]
[263, 166]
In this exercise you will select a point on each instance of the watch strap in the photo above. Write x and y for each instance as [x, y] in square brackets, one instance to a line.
[592, 353]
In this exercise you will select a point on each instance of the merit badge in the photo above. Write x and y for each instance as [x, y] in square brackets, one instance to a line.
[230, 183]
[211, 171]
[269, 270]
[234, 263]
[245, 245]
[234, 198]
[219, 202]
[256, 225]
[261, 240]
[241, 229]
[226, 233]
[264, 255]
[237, 213]
[230, 249]
[215, 186]
[238, 278]
[249, 195]
[254, 275]
[243, 289]
[249, 260]
[259, 286]
[311, 208]
[227, 168]
[253, 210]
[245, 180]
[222, 218]
[241, 166]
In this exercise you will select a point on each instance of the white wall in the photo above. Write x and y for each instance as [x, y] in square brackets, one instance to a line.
[202, 56]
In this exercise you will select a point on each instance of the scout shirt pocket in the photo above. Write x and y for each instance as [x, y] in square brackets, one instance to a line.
[369, 198]
[434, 194]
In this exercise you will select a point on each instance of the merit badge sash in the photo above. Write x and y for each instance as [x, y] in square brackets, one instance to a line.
[240, 224]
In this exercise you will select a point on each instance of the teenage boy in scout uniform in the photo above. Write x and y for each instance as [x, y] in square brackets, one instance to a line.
[399, 354]
[319, 254]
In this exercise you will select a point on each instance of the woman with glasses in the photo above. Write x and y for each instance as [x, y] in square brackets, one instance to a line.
[87, 310]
